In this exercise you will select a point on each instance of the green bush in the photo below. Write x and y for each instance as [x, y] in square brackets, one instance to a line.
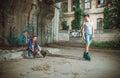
[65, 26]
[111, 14]
[76, 23]
[108, 44]
[16, 41]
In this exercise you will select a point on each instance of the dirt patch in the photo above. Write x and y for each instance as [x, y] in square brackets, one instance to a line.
[68, 63]
[66, 44]
[44, 67]
[3, 72]
[75, 74]
[66, 56]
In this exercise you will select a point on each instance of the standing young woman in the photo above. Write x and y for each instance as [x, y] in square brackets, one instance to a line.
[87, 35]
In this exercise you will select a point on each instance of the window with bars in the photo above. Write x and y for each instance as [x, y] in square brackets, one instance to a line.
[73, 5]
[65, 7]
[87, 4]
[100, 3]
[99, 24]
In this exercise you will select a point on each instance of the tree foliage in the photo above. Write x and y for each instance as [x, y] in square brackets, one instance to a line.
[76, 23]
[65, 26]
[111, 14]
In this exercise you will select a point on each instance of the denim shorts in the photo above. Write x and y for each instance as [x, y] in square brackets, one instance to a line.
[88, 38]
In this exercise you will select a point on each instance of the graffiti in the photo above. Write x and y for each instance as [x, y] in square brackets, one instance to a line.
[75, 34]
[14, 39]
[12, 30]
[28, 29]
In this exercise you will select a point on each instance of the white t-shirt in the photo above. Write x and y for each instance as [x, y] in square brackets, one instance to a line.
[88, 27]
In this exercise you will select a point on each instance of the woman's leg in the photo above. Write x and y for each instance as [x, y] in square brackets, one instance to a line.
[88, 41]
[87, 47]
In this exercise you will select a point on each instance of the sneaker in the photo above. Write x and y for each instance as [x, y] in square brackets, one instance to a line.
[39, 54]
[44, 53]
[84, 54]
[30, 57]
[87, 56]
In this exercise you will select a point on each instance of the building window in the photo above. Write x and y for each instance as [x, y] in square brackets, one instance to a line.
[99, 23]
[100, 3]
[87, 4]
[73, 5]
[65, 7]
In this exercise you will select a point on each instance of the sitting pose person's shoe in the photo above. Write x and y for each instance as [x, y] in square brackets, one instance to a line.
[44, 53]
[38, 54]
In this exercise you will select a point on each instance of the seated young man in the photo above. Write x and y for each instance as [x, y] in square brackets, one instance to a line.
[34, 48]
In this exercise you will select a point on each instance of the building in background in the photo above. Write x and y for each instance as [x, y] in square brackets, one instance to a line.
[93, 7]
[36, 17]
[67, 12]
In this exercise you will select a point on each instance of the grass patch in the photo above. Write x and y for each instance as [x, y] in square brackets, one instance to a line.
[108, 44]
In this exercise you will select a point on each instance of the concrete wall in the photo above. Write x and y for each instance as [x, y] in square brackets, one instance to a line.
[44, 22]
[100, 36]
[15, 17]
[34, 16]
[106, 35]
[63, 36]
[56, 25]
[48, 23]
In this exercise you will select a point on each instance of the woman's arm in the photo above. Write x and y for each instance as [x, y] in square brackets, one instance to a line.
[82, 29]
[39, 48]
[93, 30]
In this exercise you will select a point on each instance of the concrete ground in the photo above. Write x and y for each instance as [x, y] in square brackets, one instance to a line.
[65, 63]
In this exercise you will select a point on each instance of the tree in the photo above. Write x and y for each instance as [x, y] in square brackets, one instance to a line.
[111, 14]
[76, 23]
[65, 26]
